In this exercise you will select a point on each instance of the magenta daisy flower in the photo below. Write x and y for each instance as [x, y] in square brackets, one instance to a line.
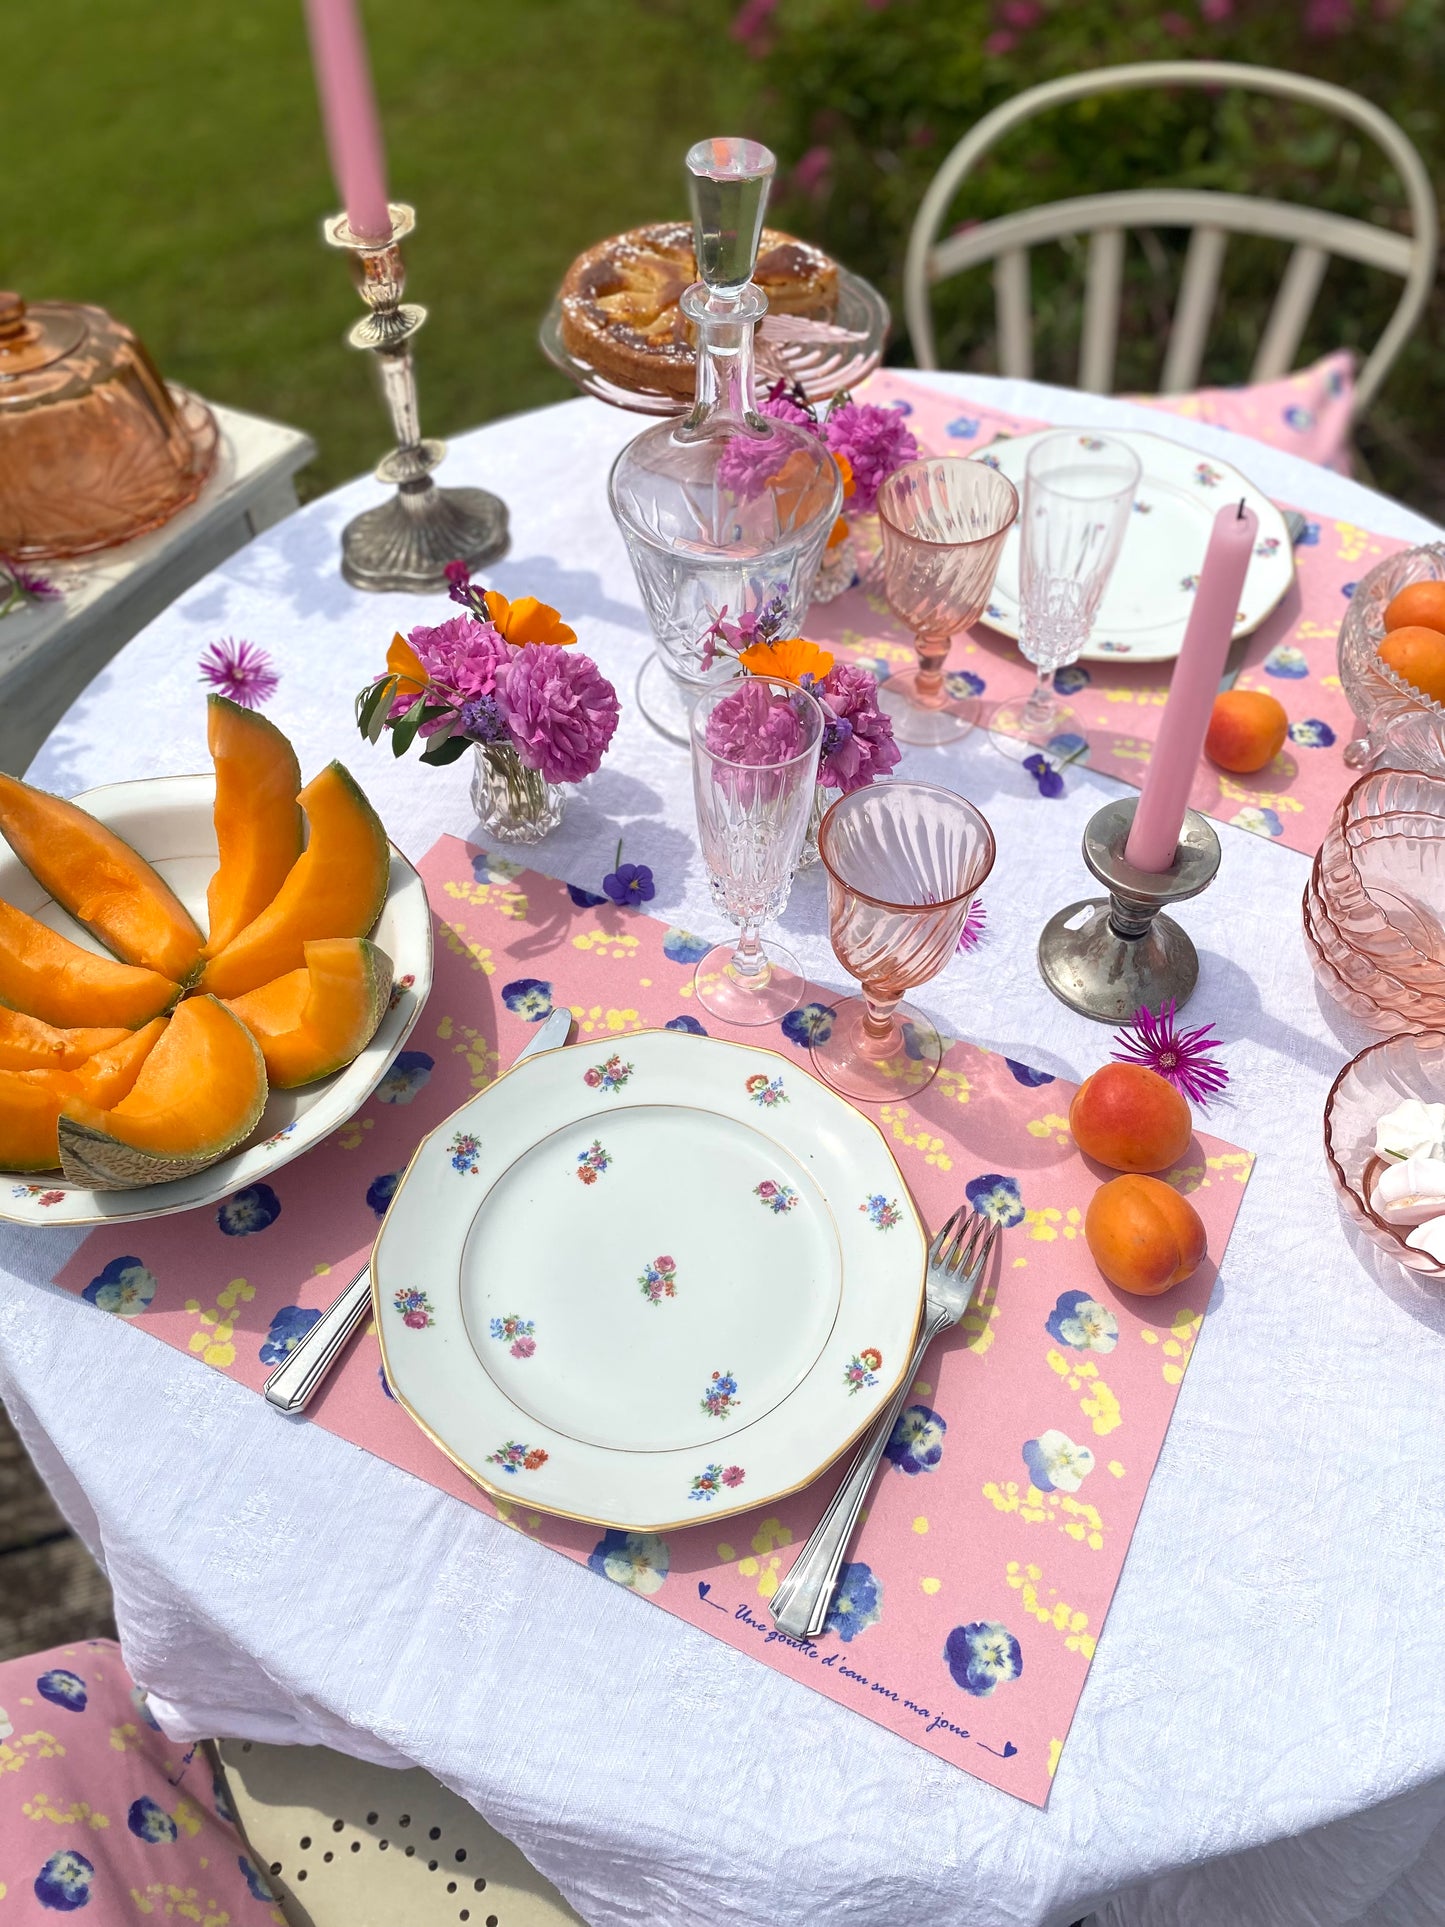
[239, 670]
[1179, 1056]
[971, 935]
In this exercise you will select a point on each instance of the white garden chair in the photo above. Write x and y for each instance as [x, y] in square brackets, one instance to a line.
[1105, 218]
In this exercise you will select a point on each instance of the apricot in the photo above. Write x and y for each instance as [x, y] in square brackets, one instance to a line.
[1144, 1237]
[1418, 603]
[1247, 728]
[1417, 654]
[1131, 1119]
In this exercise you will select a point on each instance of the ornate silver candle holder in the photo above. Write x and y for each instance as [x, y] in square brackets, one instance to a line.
[1106, 958]
[407, 542]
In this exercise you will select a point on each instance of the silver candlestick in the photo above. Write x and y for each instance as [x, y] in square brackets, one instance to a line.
[1105, 959]
[407, 542]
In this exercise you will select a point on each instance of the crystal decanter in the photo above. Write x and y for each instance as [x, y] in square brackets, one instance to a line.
[725, 511]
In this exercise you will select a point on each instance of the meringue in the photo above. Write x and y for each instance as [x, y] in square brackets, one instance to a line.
[1412, 1192]
[1412, 1127]
[1430, 1238]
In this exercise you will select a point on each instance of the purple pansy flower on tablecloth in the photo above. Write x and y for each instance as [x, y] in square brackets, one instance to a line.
[997, 1197]
[528, 997]
[1311, 733]
[149, 1821]
[1055, 1463]
[1073, 677]
[917, 1441]
[812, 1024]
[638, 1560]
[680, 946]
[1080, 1321]
[982, 1656]
[857, 1604]
[380, 1191]
[63, 1883]
[124, 1286]
[689, 1024]
[406, 1077]
[63, 1688]
[1027, 1075]
[252, 1209]
[289, 1326]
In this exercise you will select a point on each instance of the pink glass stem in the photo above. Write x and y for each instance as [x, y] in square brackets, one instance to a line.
[928, 684]
[881, 1036]
[749, 959]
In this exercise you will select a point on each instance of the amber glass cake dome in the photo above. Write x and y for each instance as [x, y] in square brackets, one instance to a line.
[94, 447]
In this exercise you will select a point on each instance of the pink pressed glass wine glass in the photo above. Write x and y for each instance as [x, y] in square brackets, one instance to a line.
[903, 862]
[943, 521]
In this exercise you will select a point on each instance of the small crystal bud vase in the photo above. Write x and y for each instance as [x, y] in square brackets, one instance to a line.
[514, 804]
[724, 511]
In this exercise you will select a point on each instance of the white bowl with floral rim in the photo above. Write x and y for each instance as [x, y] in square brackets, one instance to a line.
[649, 1285]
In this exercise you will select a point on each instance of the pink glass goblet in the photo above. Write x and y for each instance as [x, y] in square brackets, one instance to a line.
[943, 521]
[904, 861]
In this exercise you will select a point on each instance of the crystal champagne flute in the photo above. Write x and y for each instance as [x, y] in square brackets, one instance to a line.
[943, 521]
[755, 749]
[904, 861]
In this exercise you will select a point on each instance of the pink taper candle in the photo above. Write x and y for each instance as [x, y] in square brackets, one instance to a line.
[348, 108]
[1154, 836]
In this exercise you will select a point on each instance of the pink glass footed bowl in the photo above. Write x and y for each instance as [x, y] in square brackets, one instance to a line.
[1399, 726]
[1369, 1086]
[1374, 908]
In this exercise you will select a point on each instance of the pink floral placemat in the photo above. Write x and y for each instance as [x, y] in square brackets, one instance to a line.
[1291, 655]
[979, 1583]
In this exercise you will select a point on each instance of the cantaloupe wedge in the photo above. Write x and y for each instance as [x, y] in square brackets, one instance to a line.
[28, 1045]
[312, 1021]
[335, 888]
[258, 820]
[200, 1093]
[100, 880]
[30, 1101]
[49, 977]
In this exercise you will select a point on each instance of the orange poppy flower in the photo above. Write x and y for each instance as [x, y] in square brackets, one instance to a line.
[402, 660]
[527, 620]
[790, 659]
[845, 469]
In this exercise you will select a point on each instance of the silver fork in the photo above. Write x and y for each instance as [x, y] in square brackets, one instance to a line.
[956, 1261]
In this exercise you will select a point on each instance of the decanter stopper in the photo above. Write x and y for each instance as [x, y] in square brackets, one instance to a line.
[728, 183]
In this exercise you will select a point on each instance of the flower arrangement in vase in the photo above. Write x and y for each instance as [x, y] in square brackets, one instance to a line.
[868, 443]
[504, 680]
[858, 745]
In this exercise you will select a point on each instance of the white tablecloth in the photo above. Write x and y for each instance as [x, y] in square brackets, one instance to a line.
[1262, 1737]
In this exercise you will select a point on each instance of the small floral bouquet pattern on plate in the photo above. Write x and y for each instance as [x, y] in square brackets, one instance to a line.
[415, 1308]
[514, 1458]
[592, 1162]
[714, 1479]
[775, 1197]
[721, 1396]
[883, 1213]
[659, 1280]
[518, 1334]
[766, 1092]
[860, 1374]
[610, 1076]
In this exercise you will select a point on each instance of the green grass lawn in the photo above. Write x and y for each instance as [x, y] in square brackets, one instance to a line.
[166, 161]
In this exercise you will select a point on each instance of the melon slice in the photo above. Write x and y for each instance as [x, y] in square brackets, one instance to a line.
[335, 888]
[28, 1045]
[100, 880]
[257, 817]
[47, 976]
[30, 1101]
[312, 1021]
[200, 1093]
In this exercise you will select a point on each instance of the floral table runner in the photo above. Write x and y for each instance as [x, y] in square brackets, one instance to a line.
[1291, 655]
[978, 1586]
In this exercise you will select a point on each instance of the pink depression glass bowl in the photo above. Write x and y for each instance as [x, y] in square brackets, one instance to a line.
[1398, 724]
[1369, 1085]
[1367, 993]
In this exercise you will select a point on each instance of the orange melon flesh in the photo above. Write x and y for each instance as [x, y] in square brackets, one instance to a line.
[30, 1101]
[335, 888]
[28, 1045]
[200, 1092]
[100, 880]
[312, 1021]
[47, 976]
[258, 820]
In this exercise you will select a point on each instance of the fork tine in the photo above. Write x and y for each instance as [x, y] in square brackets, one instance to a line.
[973, 1255]
[964, 1232]
[942, 1236]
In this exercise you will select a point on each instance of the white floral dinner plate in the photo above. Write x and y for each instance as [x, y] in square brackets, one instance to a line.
[650, 1283]
[1146, 605]
[168, 819]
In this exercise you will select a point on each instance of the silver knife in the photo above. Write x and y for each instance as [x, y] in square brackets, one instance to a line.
[296, 1379]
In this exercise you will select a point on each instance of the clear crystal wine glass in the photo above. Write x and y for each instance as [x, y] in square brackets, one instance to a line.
[943, 520]
[904, 861]
[1079, 493]
[755, 748]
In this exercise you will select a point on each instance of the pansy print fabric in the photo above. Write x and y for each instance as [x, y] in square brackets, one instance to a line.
[977, 1588]
[103, 1817]
[1291, 655]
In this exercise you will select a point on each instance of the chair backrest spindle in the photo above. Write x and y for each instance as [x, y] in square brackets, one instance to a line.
[1198, 291]
[1103, 286]
[1013, 307]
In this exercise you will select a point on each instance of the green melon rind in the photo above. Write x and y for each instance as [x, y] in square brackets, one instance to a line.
[383, 973]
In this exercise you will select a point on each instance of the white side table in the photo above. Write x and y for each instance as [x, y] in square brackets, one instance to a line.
[51, 650]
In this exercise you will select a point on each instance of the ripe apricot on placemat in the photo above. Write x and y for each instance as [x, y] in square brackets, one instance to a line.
[1417, 654]
[1247, 728]
[1143, 1236]
[1131, 1119]
[1418, 603]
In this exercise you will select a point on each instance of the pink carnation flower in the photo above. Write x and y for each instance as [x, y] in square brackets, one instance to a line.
[858, 745]
[749, 463]
[462, 655]
[781, 407]
[876, 441]
[561, 710]
[753, 726]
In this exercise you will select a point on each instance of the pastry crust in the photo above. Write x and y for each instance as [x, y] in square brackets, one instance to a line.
[620, 299]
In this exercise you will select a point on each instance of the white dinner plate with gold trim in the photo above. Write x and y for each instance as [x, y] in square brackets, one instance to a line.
[649, 1282]
[1146, 605]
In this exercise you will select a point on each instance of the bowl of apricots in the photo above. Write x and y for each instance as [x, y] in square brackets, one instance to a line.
[200, 978]
[1392, 662]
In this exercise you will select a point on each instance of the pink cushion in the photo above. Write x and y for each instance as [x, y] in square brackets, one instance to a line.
[102, 1815]
[1307, 413]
